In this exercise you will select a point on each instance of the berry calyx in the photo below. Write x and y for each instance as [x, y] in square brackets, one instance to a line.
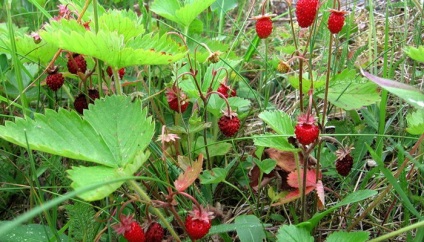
[344, 161]
[154, 233]
[130, 228]
[177, 99]
[229, 124]
[55, 80]
[336, 21]
[121, 72]
[198, 223]
[226, 90]
[306, 11]
[306, 130]
[263, 26]
[77, 64]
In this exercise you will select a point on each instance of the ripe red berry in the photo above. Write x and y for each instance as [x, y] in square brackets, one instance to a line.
[306, 130]
[135, 233]
[177, 99]
[336, 21]
[344, 161]
[130, 228]
[121, 72]
[55, 80]
[263, 27]
[198, 223]
[78, 64]
[306, 11]
[80, 103]
[229, 124]
[154, 233]
[226, 90]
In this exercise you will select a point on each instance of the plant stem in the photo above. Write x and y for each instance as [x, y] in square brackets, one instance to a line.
[327, 81]
[399, 231]
[134, 185]
[16, 62]
[117, 80]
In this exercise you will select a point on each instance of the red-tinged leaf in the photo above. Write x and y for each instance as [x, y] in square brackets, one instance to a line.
[285, 159]
[320, 193]
[190, 175]
[293, 195]
[295, 181]
[254, 175]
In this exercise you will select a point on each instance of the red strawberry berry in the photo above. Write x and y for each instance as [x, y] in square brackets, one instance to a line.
[154, 233]
[229, 124]
[55, 80]
[306, 130]
[78, 64]
[130, 228]
[344, 161]
[198, 223]
[336, 21]
[177, 99]
[263, 27]
[306, 11]
[93, 94]
[80, 103]
[121, 72]
[226, 90]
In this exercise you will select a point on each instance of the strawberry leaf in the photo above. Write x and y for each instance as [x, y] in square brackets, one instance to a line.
[86, 176]
[320, 193]
[190, 175]
[415, 122]
[294, 180]
[357, 236]
[26, 47]
[348, 93]
[279, 121]
[274, 141]
[31, 232]
[116, 49]
[254, 232]
[214, 176]
[291, 233]
[266, 166]
[415, 53]
[61, 133]
[124, 126]
[183, 15]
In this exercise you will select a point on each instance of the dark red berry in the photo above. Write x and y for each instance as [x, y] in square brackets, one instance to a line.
[80, 103]
[55, 80]
[77, 64]
[229, 124]
[177, 99]
[121, 72]
[154, 233]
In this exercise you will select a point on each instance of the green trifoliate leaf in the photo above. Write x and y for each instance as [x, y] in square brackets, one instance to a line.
[415, 122]
[119, 46]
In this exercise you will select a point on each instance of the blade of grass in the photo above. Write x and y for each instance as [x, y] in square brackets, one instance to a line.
[15, 59]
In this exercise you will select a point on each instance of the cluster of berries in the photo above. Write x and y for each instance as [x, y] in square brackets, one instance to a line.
[197, 225]
[76, 64]
[229, 123]
[133, 231]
